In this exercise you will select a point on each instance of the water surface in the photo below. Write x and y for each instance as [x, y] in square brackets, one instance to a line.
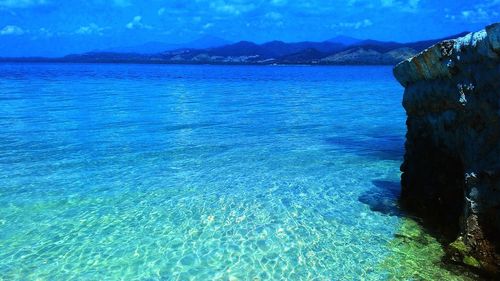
[156, 172]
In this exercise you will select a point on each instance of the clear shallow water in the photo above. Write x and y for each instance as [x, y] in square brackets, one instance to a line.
[151, 172]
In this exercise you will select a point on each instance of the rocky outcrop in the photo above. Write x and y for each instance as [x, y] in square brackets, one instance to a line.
[451, 170]
[367, 56]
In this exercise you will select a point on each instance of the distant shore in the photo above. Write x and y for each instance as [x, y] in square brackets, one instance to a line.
[367, 52]
[59, 61]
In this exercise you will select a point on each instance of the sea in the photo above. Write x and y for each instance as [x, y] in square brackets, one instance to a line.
[198, 172]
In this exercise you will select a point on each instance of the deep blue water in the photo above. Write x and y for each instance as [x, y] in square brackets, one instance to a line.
[156, 172]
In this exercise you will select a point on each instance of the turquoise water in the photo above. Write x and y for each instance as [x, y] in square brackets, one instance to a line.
[154, 172]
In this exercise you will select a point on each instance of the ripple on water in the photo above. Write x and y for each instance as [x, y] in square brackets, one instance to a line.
[121, 172]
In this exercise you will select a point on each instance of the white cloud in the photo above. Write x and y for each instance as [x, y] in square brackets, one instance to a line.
[466, 14]
[161, 11]
[354, 25]
[480, 13]
[411, 6]
[42, 32]
[11, 30]
[451, 17]
[229, 9]
[90, 29]
[208, 25]
[45, 31]
[137, 23]
[402, 5]
[234, 9]
[21, 3]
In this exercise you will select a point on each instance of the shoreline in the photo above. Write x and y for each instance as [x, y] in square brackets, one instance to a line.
[56, 61]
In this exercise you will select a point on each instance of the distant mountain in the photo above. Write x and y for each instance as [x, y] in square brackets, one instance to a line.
[381, 52]
[158, 47]
[338, 50]
[269, 50]
[421, 45]
[146, 48]
[386, 46]
[344, 40]
[207, 42]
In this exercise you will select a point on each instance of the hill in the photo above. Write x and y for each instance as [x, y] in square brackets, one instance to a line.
[336, 51]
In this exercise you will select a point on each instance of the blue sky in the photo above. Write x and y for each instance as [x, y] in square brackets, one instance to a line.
[55, 27]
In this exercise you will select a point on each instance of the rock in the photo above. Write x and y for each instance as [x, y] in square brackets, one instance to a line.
[461, 253]
[451, 169]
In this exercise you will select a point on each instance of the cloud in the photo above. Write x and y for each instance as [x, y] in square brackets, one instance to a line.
[11, 30]
[478, 14]
[136, 23]
[21, 3]
[354, 25]
[90, 30]
[161, 11]
[451, 17]
[485, 12]
[43, 32]
[208, 25]
[234, 9]
[411, 6]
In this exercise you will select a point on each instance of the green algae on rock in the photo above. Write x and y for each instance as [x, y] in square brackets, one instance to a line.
[458, 251]
[416, 255]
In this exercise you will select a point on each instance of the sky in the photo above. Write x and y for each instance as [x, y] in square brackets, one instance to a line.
[58, 27]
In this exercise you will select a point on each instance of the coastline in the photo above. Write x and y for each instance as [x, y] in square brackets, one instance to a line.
[61, 61]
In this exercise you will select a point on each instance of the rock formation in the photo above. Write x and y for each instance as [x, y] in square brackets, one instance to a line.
[451, 170]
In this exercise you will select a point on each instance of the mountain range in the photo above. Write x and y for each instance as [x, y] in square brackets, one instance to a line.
[158, 47]
[340, 50]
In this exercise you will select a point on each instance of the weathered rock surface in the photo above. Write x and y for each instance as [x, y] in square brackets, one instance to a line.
[451, 170]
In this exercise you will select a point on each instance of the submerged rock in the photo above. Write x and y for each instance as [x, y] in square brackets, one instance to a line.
[451, 169]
